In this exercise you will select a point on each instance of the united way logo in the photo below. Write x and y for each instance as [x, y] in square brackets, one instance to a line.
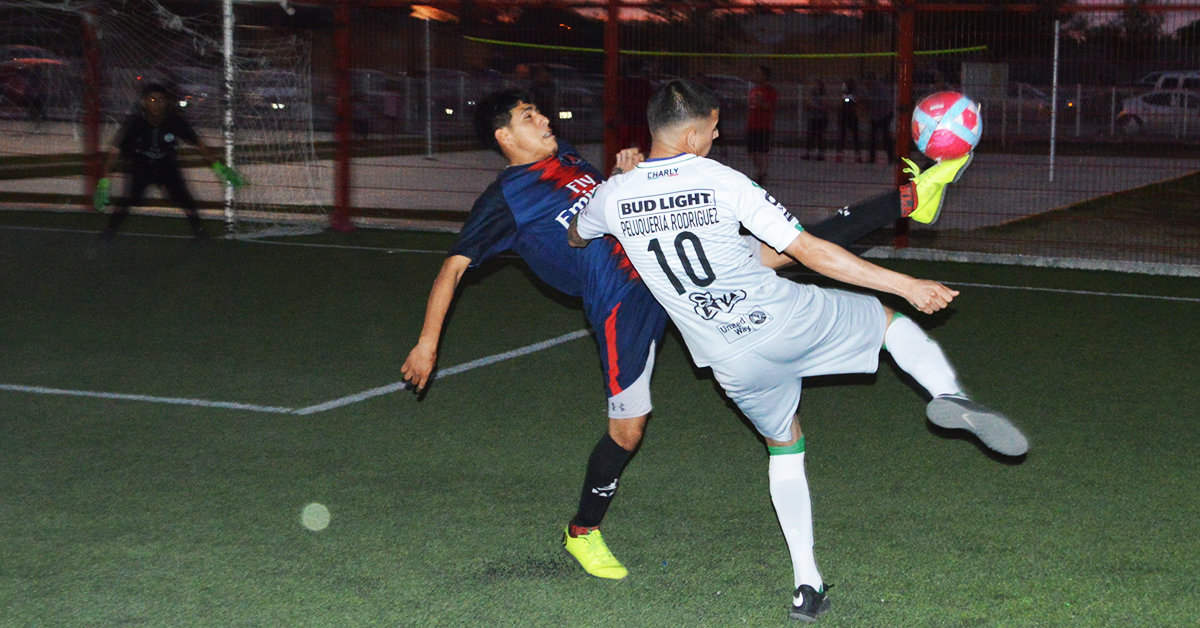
[744, 325]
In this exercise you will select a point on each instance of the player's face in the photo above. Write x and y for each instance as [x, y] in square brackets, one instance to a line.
[528, 137]
[155, 103]
[706, 133]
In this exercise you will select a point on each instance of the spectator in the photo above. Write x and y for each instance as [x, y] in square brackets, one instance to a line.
[760, 120]
[816, 107]
[848, 120]
[882, 107]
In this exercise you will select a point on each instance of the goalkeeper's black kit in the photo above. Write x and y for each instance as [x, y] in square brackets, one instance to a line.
[149, 153]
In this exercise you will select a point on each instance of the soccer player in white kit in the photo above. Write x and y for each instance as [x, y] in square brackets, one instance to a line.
[678, 216]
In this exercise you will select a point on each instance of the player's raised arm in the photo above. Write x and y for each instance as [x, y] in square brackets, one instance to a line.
[627, 159]
[573, 237]
[423, 357]
[833, 261]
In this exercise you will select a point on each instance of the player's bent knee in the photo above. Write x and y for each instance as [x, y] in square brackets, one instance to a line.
[627, 432]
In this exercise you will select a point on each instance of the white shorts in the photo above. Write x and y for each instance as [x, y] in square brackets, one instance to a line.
[835, 332]
[634, 401]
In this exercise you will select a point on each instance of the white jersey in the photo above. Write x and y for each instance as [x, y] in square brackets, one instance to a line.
[678, 221]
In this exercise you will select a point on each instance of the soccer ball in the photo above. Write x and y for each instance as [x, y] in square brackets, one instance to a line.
[946, 125]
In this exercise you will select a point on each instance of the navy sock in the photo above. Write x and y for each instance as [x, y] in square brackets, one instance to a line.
[600, 484]
[851, 223]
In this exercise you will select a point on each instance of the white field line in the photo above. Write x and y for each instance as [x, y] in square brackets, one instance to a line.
[1122, 295]
[401, 385]
[203, 403]
[454, 370]
[328, 405]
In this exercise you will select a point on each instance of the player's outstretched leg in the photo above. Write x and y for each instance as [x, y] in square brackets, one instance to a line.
[920, 356]
[921, 199]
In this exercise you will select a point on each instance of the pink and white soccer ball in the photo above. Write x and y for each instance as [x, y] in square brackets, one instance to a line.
[946, 125]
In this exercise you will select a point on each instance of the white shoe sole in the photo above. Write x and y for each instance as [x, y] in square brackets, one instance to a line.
[995, 431]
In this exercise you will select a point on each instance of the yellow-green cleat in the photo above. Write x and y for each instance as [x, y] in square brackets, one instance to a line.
[592, 553]
[921, 200]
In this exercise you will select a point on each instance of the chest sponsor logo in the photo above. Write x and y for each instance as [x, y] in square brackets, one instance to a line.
[708, 306]
[585, 186]
[677, 211]
[744, 325]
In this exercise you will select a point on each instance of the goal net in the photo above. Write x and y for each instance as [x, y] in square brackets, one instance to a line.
[261, 120]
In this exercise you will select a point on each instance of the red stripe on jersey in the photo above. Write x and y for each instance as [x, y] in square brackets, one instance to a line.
[623, 262]
[610, 335]
[562, 175]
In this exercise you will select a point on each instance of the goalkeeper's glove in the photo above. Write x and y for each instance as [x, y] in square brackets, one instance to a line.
[101, 197]
[228, 175]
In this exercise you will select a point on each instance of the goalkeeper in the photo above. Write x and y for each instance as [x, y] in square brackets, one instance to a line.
[148, 142]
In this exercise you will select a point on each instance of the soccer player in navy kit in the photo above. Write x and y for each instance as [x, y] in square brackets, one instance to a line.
[528, 209]
[148, 142]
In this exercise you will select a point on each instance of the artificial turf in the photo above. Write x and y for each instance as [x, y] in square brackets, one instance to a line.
[446, 509]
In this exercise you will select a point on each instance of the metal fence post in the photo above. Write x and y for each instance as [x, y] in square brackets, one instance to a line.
[906, 27]
[92, 105]
[339, 220]
[612, 82]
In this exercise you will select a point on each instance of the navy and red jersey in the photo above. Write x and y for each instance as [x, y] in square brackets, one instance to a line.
[528, 209]
[145, 145]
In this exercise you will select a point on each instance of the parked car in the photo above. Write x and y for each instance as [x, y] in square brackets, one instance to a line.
[40, 88]
[730, 89]
[1177, 80]
[1174, 112]
[197, 88]
[19, 53]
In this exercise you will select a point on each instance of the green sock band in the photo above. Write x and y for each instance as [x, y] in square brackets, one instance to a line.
[895, 315]
[795, 448]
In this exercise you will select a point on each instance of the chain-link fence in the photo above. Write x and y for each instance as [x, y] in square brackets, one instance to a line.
[1084, 106]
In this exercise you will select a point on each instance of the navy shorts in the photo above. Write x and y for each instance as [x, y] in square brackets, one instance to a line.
[626, 337]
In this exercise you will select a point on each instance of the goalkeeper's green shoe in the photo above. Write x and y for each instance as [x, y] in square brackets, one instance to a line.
[921, 200]
[592, 553]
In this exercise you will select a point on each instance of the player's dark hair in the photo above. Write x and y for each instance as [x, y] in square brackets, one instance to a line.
[679, 101]
[495, 112]
[154, 88]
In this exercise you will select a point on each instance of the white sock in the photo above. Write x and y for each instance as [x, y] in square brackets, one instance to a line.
[789, 493]
[920, 356]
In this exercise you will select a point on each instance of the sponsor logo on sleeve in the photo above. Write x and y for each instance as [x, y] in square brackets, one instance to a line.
[786, 214]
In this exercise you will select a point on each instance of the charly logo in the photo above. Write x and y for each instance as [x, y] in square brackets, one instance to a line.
[708, 306]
